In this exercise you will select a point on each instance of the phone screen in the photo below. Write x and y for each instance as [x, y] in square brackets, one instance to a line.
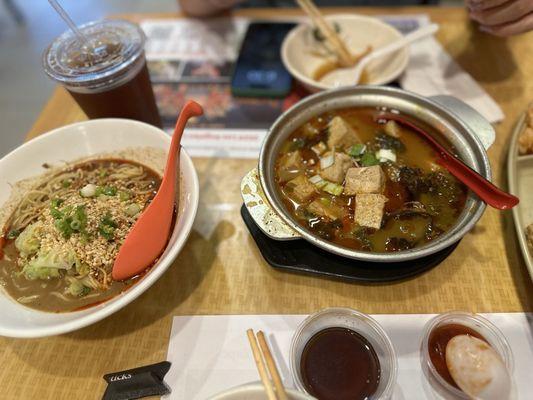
[259, 71]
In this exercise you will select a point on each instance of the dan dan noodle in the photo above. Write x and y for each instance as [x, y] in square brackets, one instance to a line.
[61, 241]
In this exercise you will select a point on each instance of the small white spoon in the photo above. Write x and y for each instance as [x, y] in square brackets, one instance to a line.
[392, 47]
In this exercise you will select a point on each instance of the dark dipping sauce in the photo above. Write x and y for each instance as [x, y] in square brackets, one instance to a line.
[340, 364]
[437, 342]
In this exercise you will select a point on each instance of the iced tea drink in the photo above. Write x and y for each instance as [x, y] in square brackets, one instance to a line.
[107, 74]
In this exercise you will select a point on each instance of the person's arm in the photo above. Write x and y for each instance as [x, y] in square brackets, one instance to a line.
[502, 17]
[204, 8]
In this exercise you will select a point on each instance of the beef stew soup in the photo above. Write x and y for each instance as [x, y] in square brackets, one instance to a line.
[366, 184]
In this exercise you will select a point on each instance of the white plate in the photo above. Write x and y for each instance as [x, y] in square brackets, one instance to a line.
[520, 179]
[358, 32]
[256, 391]
[70, 143]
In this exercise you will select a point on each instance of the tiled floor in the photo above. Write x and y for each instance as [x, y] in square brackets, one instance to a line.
[23, 86]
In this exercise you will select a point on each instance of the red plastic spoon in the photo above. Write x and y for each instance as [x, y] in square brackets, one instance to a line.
[489, 193]
[148, 237]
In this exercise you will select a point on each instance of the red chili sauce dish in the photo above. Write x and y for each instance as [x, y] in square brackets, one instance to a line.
[340, 364]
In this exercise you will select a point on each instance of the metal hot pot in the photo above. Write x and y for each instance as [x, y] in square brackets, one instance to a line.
[463, 127]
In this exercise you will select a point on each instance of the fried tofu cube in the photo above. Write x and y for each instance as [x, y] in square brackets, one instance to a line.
[341, 134]
[369, 209]
[364, 180]
[337, 171]
[330, 211]
[302, 189]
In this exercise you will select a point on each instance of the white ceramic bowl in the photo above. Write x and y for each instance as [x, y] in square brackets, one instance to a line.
[298, 51]
[70, 143]
[255, 391]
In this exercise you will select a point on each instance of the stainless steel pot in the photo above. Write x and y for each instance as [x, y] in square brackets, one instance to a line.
[466, 129]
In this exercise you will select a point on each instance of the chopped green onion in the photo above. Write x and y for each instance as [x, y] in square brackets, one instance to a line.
[369, 159]
[333, 188]
[13, 234]
[123, 195]
[356, 150]
[133, 209]
[326, 201]
[75, 225]
[106, 231]
[109, 190]
[66, 183]
[108, 221]
[107, 227]
[56, 202]
[69, 220]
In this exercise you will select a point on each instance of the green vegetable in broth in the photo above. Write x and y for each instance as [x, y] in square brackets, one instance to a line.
[78, 289]
[369, 159]
[107, 227]
[48, 264]
[28, 242]
[357, 150]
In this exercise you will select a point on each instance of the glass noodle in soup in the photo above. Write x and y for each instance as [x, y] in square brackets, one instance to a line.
[366, 184]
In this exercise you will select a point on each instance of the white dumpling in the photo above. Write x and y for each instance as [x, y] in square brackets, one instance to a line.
[477, 368]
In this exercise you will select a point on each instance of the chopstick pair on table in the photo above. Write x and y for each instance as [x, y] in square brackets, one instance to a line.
[266, 366]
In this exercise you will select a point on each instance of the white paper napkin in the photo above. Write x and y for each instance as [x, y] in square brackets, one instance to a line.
[210, 354]
[432, 71]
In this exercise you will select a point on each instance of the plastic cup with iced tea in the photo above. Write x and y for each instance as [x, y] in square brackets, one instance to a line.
[106, 74]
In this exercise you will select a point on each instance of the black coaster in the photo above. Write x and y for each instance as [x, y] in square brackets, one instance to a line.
[301, 256]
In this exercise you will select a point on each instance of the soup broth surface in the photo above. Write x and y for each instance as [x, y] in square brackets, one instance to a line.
[419, 199]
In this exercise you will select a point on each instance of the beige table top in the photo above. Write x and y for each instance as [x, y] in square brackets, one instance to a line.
[220, 270]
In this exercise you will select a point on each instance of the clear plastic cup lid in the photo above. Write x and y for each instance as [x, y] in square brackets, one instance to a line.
[112, 48]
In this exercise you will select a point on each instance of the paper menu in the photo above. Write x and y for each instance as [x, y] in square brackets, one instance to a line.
[210, 354]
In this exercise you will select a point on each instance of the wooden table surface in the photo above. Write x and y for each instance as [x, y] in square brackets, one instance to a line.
[220, 270]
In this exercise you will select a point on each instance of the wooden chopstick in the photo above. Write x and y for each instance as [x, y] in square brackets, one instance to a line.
[344, 56]
[270, 364]
[260, 365]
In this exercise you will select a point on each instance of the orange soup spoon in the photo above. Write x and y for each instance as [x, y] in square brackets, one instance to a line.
[149, 236]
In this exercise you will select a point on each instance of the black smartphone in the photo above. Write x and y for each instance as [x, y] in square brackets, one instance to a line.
[259, 71]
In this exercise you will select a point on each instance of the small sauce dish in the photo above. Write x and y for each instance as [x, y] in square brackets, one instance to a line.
[441, 329]
[340, 353]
